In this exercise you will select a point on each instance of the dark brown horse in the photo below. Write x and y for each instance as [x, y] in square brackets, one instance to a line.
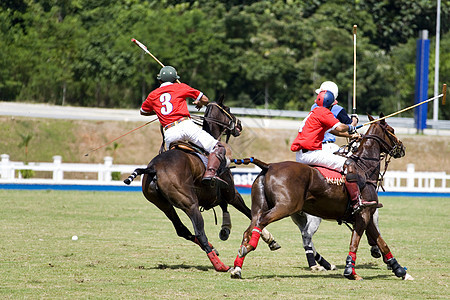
[173, 180]
[286, 188]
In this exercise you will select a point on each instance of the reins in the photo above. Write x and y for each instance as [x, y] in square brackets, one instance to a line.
[231, 125]
[391, 150]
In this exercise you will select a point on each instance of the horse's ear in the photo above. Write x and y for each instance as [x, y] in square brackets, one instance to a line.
[370, 117]
[382, 116]
[220, 100]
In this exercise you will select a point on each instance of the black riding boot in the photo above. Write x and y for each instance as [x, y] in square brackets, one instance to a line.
[355, 197]
[215, 158]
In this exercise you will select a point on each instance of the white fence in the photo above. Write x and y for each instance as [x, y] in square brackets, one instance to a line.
[10, 172]
[394, 181]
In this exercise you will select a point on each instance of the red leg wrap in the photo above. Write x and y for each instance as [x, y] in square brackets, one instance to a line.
[217, 263]
[239, 261]
[256, 233]
[353, 255]
[388, 256]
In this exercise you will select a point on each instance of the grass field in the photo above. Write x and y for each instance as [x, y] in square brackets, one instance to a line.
[127, 249]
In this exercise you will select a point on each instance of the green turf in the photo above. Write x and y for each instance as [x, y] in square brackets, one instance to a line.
[127, 249]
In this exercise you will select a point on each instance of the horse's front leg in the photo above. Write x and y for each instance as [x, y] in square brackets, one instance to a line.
[374, 250]
[396, 268]
[224, 233]
[361, 221]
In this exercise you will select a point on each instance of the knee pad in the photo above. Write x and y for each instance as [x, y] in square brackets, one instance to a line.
[351, 177]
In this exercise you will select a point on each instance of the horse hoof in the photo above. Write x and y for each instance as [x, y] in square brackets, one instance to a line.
[224, 234]
[375, 252]
[408, 277]
[236, 273]
[274, 246]
[353, 277]
[317, 268]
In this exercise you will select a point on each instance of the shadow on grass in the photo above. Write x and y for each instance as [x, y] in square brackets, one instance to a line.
[332, 274]
[369, 266]
[178, 267]
[323, 275]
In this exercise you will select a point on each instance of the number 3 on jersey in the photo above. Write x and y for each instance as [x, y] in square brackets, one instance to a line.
[167, 107]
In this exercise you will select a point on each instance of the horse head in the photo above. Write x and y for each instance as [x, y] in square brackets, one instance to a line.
[389, 142]
[218, 119]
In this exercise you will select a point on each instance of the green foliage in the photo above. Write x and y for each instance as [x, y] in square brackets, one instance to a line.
[26, 138]
[27, 173]
[275, 53]
[115, 175]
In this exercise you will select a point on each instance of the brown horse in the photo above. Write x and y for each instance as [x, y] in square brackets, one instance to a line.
[173, 180]
[287, 188]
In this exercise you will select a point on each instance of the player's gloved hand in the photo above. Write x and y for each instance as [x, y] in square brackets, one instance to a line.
[351, 129]
[356, 136]
[197, 104]
[355, 116]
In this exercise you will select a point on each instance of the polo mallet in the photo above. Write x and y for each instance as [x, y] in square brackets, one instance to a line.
[354, 68]
[143, 47]
[443, 95]
[95, 149]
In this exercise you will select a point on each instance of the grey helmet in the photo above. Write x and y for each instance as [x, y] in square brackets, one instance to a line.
[167, 74]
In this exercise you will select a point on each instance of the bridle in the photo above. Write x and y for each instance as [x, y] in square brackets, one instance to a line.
[231, 125]
[392, 149]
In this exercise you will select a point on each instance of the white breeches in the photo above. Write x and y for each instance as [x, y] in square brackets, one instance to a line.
[188, 131]
[330, 147]
[321, 158]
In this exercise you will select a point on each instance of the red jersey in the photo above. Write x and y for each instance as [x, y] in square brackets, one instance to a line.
[169, 101]
[313, 128]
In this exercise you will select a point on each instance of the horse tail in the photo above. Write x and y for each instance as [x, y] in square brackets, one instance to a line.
[264, 166]
[139, 171]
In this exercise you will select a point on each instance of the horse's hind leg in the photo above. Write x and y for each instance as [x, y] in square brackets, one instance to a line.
[198, 223]
[171, 214]
[308, 226]
[397, 269]
[266, 236]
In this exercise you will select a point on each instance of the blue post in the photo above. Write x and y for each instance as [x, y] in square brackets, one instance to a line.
[421, 92]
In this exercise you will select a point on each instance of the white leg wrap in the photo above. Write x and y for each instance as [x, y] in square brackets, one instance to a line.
[266, 236]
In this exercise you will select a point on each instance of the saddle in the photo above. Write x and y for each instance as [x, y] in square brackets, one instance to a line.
[193, 149]
[188, 147]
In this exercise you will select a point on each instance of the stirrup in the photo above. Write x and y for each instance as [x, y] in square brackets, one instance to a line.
[214, 181]
[360, 205]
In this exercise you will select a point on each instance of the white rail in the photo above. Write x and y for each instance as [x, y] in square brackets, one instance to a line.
[394, 181]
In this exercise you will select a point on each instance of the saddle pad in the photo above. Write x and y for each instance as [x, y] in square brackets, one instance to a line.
[331, 176]
[203, 158]
[192, 149]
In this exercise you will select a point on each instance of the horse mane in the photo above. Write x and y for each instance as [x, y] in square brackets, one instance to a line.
[245, 161]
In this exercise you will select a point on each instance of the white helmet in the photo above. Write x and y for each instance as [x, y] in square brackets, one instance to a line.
[329, 86]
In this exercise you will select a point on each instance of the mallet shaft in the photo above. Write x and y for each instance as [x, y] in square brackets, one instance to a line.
[143, 47]
[354, 68]
[400, 111]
